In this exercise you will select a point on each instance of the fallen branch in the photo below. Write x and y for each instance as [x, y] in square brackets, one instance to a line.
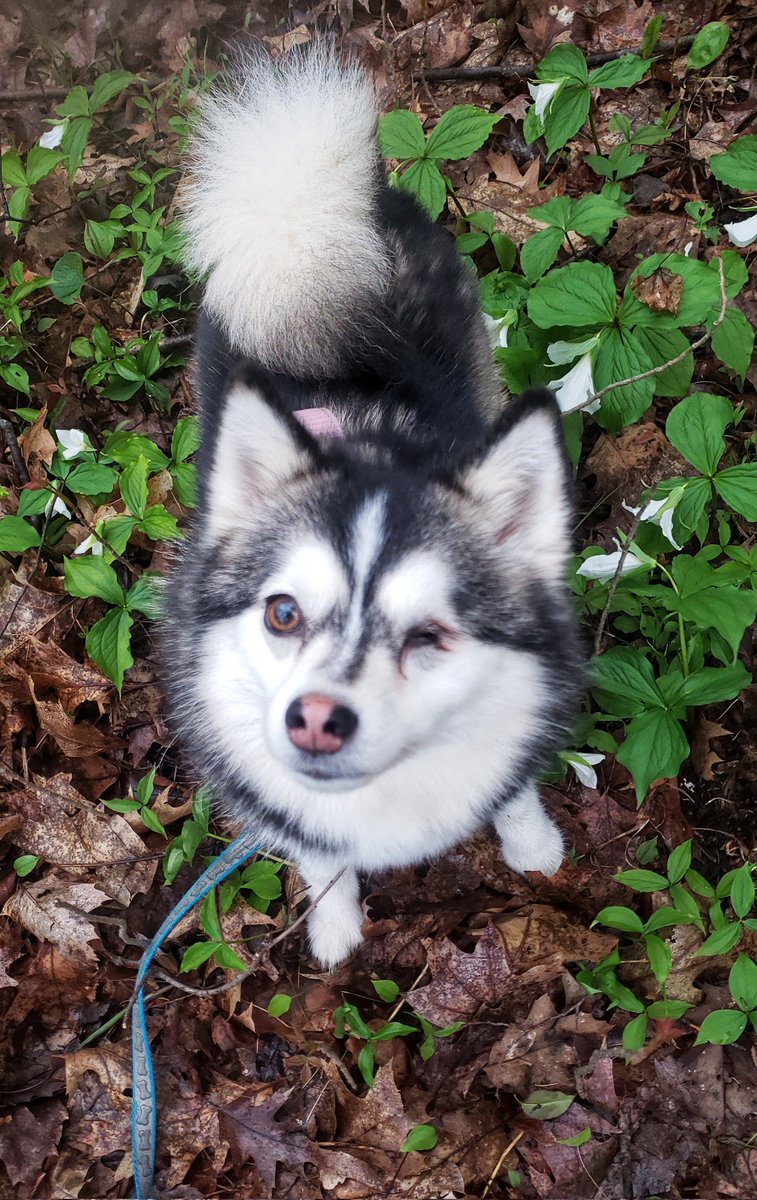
[21, 95]
[528, 70]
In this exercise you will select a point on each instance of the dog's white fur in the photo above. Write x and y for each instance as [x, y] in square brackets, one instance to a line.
[280, 212]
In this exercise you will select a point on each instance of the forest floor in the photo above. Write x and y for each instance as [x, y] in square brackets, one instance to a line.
[254, 1104]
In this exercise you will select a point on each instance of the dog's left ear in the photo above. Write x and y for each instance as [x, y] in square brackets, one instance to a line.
[522, 484]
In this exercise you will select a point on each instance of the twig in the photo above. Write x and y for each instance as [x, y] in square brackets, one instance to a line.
[20, 95]
[528, 70]
[231, 983]
[502, 1158]
[672, 362]
[9, 437]
[616, 579]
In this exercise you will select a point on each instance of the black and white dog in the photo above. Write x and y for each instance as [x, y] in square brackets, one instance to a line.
[372, 652]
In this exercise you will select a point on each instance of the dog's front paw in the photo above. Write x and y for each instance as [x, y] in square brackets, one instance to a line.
[530, 839]
[335, 934]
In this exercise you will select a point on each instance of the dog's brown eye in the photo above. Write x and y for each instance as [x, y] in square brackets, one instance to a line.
[282, 615]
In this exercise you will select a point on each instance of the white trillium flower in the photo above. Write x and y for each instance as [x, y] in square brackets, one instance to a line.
[543, 94]
[53, 136]
[688, 248]
[575, 388]
[659, 512]
[497, 328]
[73, 443]
[742, 233]
[56, 505]
[602, 567]
[583, 762]
[90, 545]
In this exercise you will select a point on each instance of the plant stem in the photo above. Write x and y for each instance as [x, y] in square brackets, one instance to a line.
[593, 127]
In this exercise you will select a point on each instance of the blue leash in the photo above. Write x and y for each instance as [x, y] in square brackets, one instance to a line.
[143, 1106]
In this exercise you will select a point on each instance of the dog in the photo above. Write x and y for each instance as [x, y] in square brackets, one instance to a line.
[371, 651]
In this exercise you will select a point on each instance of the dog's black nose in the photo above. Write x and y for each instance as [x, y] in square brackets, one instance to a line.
[318, 724]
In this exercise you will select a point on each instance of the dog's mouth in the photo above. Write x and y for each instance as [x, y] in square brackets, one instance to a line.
[330, 781]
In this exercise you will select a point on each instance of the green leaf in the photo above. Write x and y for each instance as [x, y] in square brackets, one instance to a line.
[134, 486]
[721, 941]
[401, 135]
[186, 439]
[663, 918]
[733, 340]
[742, 983]
[578, 1139]
[16, 377]
[17, 535]
[387, 989]
[209, 920]
[660, 957]
[621, 356]
[540, 251]
[576, 295]
[619, 917]
[420, 1137]
[25, 864]
[742, 891]
[92, 479]
[462, 130]
[146, 595]
[661, 345]
[159, 524]
[228, 958]
[40, 162]
[635, 1033]
[194, 956]
[279, 1005]
[627, 673]
[652, 35]
[184, 477]
[14, 174]
[679, 861]
[109, 643]
[566, 115]
[708, 45]
[99, 238]
[738, 487]
[593, 216]
[728, 609]
[621, 73]
[654, 748]
[564, 61]
[366, 1061]
[642, 881]
[150, 821]
[125, 448]
[709, 685]
[696, 427]
[107, 86]
[67, 278]
[394, 1029]
[468, 243]
[425, 182]
[721, 1027]
[122, 805]
[173, 861]
[116, 531]
[699, 884]
[545, 1106]
[91, 576]
[738, 165]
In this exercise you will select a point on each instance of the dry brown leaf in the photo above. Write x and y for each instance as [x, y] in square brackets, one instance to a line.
[540, 932]
[506, 170]
[38, 447]
[464, 983]
[703, 756]
[29, 1138]
[662, 291]
[62, 827]
[509, 205]
[76, 739]
[52, 668]
[43, 908]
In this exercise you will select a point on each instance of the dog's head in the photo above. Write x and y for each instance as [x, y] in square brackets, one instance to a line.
[355, 614]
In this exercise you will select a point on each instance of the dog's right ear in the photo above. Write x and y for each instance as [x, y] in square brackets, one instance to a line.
[258, 447]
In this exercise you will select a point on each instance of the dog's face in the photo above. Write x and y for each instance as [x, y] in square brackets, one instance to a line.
[360, 614]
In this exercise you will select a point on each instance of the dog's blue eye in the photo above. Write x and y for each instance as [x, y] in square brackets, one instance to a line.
[282, 615]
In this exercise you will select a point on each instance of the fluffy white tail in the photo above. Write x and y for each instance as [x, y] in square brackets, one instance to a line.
[280, 210]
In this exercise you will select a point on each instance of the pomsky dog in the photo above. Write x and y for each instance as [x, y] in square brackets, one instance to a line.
[371, 649]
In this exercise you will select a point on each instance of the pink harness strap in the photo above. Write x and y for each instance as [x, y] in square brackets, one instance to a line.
[319, 422]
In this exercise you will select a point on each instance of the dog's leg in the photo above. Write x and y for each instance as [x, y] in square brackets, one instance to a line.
[530, 839]
[335, 925]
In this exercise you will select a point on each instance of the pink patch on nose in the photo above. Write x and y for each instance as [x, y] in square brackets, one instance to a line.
[316, 712]
[320, 422]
